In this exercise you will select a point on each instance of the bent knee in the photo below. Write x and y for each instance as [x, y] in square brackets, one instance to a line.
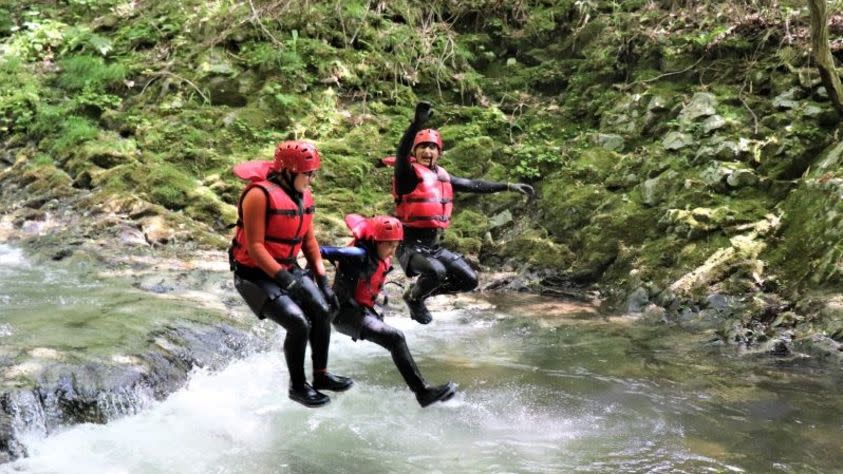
[470, 283]
[395, 338]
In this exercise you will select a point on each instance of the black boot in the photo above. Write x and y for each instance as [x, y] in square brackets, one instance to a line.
[440, 393]
[329, 381]
[308, 396]
[418, 311]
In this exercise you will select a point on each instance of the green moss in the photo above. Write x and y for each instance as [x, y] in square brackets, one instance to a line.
[75, 130]
[89, 72]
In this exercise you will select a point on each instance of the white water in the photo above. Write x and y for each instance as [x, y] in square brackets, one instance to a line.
[534, 396]
[240, 420]
[11, 258]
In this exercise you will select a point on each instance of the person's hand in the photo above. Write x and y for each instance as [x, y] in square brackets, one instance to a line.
[327, 291]
[423, 113]
[522, 188]
[287, 281]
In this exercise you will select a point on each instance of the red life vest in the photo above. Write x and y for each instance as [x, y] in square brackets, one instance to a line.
[370, 283]
[429, 205]
[286, 225]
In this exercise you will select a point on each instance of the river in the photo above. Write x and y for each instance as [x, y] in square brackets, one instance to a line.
[544, 386]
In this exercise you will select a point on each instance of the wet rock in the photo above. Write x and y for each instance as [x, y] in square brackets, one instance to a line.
[658, 104]
[713, 123]
[101, 391]
[61, 254]
[500, 219]
[825, 116]
[654, 312]
[10, 447]
[158, 287]
[788, 100]
[677, 141]
[156, 231]
[655, 190]
[741, 177]
[225, 91]
[132, 237]
[215, 62]
[637, 300]
[724, 175]
[702, 105]
[822, 347]
[610, 141]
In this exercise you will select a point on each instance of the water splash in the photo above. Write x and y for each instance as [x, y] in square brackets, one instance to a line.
[11, 257]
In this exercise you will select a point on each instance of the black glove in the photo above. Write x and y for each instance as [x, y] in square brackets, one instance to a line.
[522, 188]
[325, 287]
[423, 113]
[287, 281]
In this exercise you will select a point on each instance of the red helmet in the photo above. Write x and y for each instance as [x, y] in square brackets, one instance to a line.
[379, 228]
[296, 156]
[428, 135]
[386, 228]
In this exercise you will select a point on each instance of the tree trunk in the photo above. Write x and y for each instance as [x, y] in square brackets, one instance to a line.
[822, 55]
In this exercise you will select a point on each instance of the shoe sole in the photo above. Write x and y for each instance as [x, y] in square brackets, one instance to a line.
[337, 389]
[311, 404]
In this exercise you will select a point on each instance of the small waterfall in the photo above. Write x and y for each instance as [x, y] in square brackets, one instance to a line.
[125, 401]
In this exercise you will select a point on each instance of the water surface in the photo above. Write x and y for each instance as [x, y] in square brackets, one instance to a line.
[543, 387]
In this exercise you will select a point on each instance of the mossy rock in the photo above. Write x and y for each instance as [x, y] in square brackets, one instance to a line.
[567, 206]
[205, 206]
[107, 151]
[46, 179]
[537, 250]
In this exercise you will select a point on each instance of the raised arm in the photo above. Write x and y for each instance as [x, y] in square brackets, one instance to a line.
[405, 178]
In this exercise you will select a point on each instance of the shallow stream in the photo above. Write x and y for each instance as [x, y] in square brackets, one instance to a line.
[544, 386]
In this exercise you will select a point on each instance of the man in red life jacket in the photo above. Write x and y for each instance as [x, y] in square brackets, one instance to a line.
[423, 193]
[361, 272]
[275, 222]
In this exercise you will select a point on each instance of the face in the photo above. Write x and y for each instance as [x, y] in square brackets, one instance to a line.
[426, 154]
[386, 248]
[302, 180]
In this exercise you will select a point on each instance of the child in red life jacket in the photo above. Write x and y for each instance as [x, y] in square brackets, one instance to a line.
[361, 272]
[424, 195]
[275, 222]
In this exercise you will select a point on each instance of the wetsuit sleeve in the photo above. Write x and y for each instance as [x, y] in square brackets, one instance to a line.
[465, 185]
[405, 178]
[310, 248]
[254, 226]
[344, 255]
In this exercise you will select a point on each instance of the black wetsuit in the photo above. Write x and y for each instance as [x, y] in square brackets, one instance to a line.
[361, 322]
[305, 314]
[420, 253]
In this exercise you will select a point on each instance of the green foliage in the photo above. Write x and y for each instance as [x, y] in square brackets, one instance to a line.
[82, 40]
[20, 95]
[167, 185]
[6, 22]
[37, 39]
[89, 72]
[74, 130]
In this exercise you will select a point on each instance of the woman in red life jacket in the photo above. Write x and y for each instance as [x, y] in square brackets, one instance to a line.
[275, 222]
[424, 194]
[361, 271]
